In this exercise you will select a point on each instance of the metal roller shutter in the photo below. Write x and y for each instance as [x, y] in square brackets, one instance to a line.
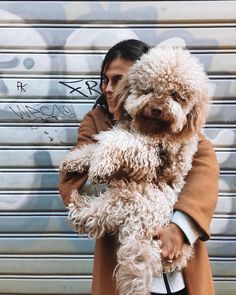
[50, 57]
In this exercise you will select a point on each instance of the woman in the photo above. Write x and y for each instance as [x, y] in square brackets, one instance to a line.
[194, 209]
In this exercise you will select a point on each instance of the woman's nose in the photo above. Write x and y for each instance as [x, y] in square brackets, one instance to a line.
[109, 87]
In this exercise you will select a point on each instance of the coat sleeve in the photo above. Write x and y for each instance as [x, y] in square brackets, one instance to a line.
[199, 195]
[68, 182]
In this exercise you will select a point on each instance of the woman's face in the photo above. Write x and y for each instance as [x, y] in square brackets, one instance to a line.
[111, 76]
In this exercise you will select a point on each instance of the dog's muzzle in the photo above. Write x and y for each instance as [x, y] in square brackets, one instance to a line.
[151, 113]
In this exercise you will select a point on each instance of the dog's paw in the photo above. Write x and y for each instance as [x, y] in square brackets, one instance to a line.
[77, 160]
[74, 166]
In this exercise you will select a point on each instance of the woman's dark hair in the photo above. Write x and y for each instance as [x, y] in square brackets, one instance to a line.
[130, 49]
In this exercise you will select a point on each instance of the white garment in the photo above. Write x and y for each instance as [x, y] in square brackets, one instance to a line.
[175, 282]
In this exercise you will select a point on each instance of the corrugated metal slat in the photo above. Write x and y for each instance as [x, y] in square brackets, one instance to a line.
[64, 111]
[48, 180]
[49, 157]
[58, 63]
[53, 224]
[75, 37]
[54, 89]
[41, 135]
[119, 11]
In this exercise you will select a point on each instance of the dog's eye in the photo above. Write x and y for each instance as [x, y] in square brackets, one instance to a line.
[146, 91]
[176, 97]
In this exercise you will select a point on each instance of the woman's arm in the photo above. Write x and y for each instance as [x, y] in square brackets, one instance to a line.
[94, 122]
[199, 195]
[197, 200]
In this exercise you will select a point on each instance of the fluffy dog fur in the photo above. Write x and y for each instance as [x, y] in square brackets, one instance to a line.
[144, 160]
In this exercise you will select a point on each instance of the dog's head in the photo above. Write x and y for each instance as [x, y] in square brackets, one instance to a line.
[165, 93]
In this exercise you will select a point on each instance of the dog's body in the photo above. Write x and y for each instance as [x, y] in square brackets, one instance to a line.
[144, 160]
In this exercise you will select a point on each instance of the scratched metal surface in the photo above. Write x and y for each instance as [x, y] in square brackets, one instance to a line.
[53, 134]
[50, 57]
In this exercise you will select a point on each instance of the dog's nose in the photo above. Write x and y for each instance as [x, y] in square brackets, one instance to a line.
[156, 112]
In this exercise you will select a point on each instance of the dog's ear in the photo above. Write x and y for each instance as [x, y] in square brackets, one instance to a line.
[195, 119]
[120, 95]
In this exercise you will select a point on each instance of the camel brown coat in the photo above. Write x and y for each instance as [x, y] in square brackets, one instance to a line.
[198, 200]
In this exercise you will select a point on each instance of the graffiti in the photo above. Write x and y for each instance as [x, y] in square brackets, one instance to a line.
[78, 85]
[43, 112]
[20, 86]
[51, 53]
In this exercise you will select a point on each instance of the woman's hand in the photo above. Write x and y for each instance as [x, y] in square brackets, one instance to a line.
[172, 238]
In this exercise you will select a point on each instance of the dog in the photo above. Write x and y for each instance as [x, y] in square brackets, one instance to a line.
[144, 160]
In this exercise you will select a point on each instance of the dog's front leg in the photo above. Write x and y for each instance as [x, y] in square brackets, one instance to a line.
[89, 214]
[78, 160]
[114, 155]
[105, 163]
[79, 202]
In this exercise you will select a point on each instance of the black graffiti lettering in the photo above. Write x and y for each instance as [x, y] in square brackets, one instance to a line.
[20, 86]
[43, 112]
[65, 111]
[48, 112]
[21, 114]
[73, 89]
[34, 112]
[92, 87]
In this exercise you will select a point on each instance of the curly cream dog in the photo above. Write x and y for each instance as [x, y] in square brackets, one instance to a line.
[144, 161]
